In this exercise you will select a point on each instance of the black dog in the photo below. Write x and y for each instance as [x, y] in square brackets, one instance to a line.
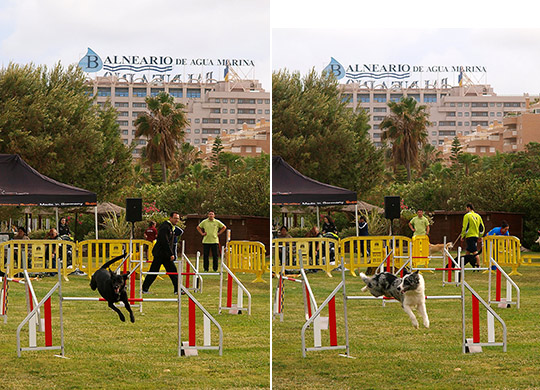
[112, 287]
[469, 259]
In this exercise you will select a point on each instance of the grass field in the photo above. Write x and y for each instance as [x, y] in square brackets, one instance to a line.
[390, 354]
[104, 352]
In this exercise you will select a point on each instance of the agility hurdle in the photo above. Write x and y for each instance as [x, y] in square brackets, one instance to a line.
[187, 348]
[468, 345]
[233, 308]
[502, 302]
[329, 302]
[33, 321]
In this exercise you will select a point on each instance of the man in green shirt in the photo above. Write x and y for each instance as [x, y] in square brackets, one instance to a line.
[419, 224]
[473, 229]
[210, 229]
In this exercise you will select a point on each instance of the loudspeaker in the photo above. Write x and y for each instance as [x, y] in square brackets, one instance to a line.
[133, 209]
[392, 207]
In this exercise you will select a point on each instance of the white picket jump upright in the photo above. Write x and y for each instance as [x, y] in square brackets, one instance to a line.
[510, 284]
[241, 290]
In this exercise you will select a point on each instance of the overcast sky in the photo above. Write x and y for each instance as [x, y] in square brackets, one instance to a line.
[48, 31]
[450, 34]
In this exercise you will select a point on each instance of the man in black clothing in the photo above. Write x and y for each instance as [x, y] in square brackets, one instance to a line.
[163, 252]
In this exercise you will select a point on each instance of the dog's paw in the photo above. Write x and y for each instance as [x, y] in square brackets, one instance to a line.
[132, 318]
[426, 324]
[122, 318]
[364, 289]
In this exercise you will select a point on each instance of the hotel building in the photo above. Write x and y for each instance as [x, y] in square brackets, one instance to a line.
[213, 108]
[452, 110]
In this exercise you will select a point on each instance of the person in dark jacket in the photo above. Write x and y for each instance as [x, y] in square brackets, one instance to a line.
[328, 225]
[163, 252]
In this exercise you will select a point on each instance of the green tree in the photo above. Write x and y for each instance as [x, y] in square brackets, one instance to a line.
[163, 126]
[406, 128]
[456, 150]
[317, 134]
[48, 117]
[217, 147]
[428, 156]
[230, 162]
[468, 160]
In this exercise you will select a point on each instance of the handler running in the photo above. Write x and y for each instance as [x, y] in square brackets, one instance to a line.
[163, 252]
[472, 231]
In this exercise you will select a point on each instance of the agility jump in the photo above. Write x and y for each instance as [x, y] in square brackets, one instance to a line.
[188, 347]
[468, 345]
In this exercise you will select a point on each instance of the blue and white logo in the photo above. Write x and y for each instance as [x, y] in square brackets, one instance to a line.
[91, 62]
[336, 68]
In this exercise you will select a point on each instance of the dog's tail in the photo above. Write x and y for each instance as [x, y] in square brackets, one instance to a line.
[112, 261]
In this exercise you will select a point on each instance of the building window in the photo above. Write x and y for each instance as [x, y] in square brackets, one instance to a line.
[188, 131]
[460, 104]
[216, 110]
[491, 113]
[248, 149]
[246, 111]
[460, 123]
[499, 114]
[218, 100]
[347, 98]
[379, 109]
[246, 101]
[363, 98]
[447, 123]
[137, 114]
[121, 92]
[125, 132]
[121, 104]
[193, 93]
[232, 121]
[139, 105]
[122, 123]
[197, 131]
[259, 101]
[378, 118]
[460, 114]
[123, 113]
[267, 112]
[133, 132]
[492, 104]
[379, 98]
[430, 98]
[376, 127]
[233, 100]
[197, 120]
[467, 124]
[451, 113]
[480, 113]
[434, 133]
[258, 149]
[210, 120]
[224, 121]
[452, 104]
[479, 104]
[197, 141]
[232, 111]
[139, 92]
[176, 92]
[395, 98]
[266, 101]
[103, 91]
[465, 104]
[415, 97]
[224, 100]
[505, 104]
[499, 104]
[467, 113]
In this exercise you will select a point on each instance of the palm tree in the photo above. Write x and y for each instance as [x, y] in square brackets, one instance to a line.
[428, 156]
[468, 160]
[163, 127]
[406, 127]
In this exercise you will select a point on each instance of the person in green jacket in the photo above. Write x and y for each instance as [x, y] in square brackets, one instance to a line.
[472, 231]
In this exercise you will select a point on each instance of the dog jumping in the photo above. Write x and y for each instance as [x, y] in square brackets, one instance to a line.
[439, 247]
[112, 287]
[409, 290]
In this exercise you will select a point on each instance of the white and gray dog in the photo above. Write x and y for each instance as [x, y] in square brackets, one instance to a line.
[409, 290]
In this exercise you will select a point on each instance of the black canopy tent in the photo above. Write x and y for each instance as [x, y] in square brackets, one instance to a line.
[290, 187]
[22, 185]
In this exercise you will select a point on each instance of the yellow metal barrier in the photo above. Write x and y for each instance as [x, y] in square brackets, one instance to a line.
[371, 251]
[420, 251]
[94, 253]
[317, 253]
[37, 256]
[247, 256]
[505, 250]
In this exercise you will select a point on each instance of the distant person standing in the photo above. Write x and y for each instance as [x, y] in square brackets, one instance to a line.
[362, 232]
[472, 231]
[163, 252]
[419, 224]
[63, 228]
[210, 229]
